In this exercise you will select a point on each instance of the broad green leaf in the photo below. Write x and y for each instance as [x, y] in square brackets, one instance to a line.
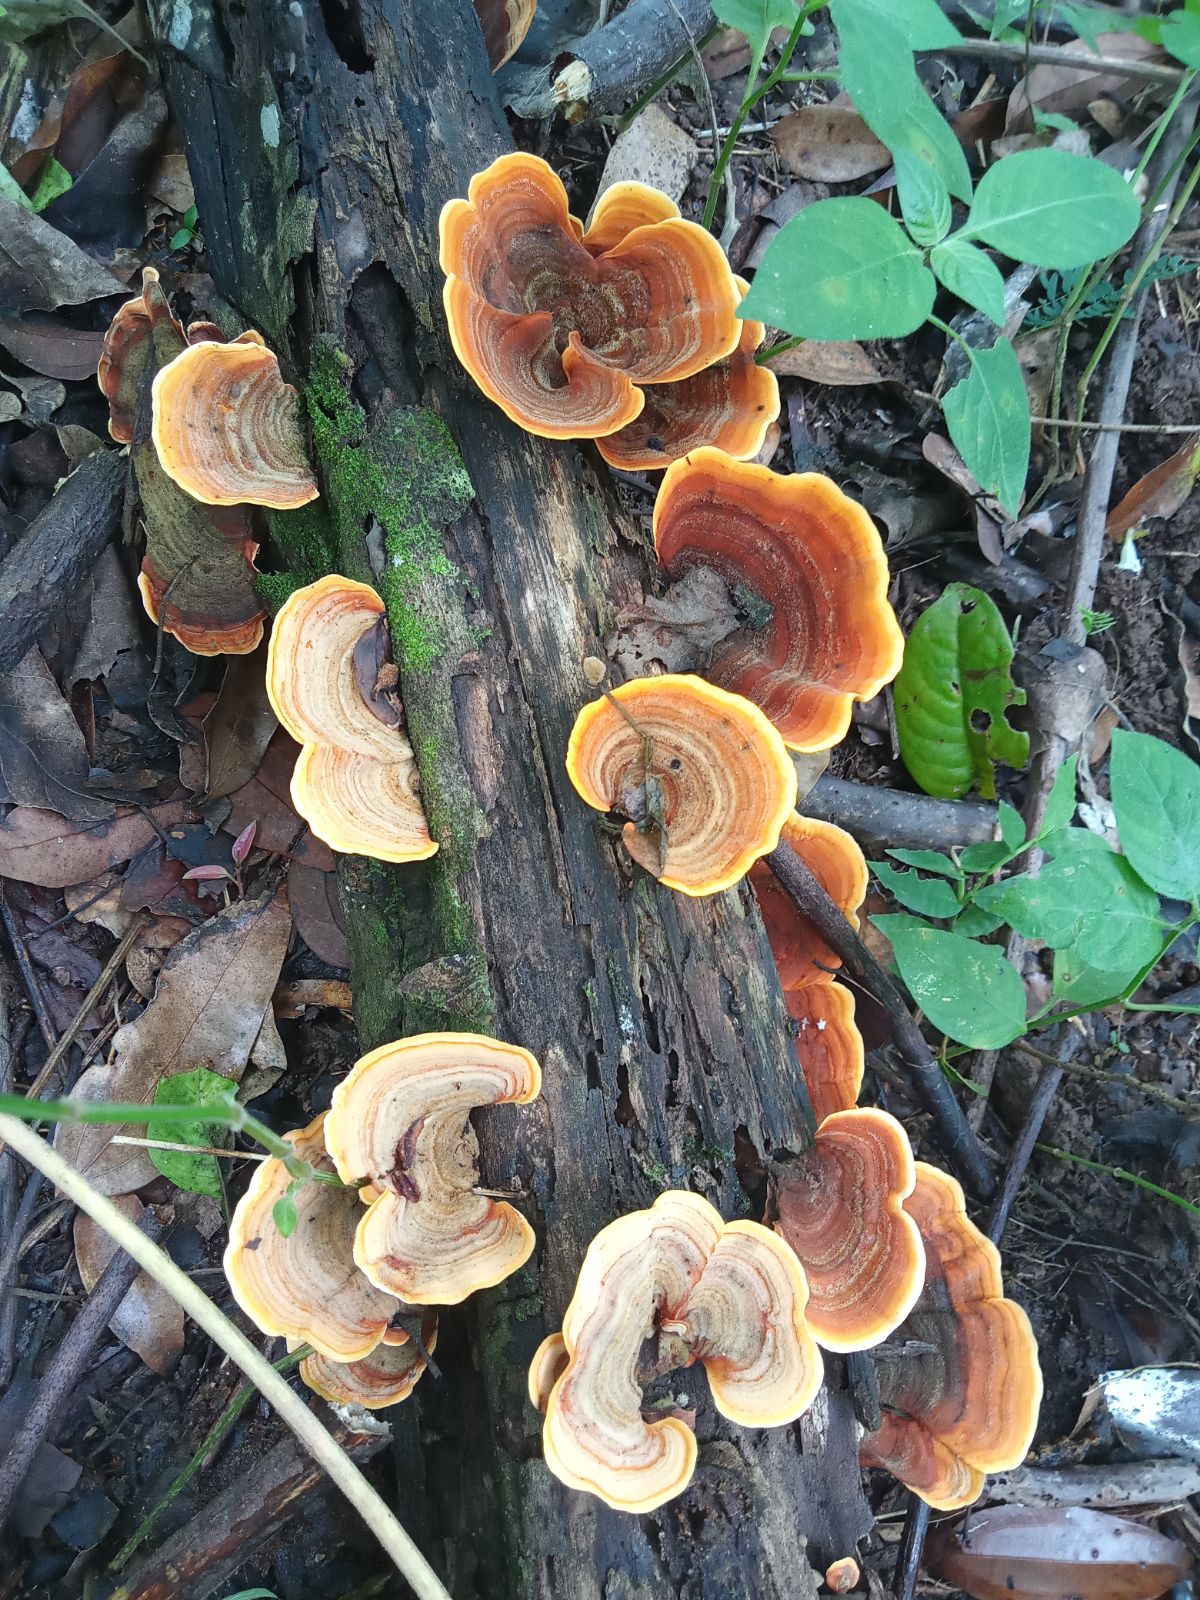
[757, 19]
[928, 897]
[1093, 904]
[253, 1594]
[12, 190]
[1052, 209]
[283, 1214]
[199, 1088]
[842, 269]
[974, 277]
[985, 856]
[967, 990]
[1006, 13]
[1012, 826]
[181, 237]
[924, 199]
[1180, 35]
[1088, 24]
[928, 861]
[987, 416]
[1074, 842]
[55, 180]
[952, 695]
[1060, 805]
[921, 24]
[1082, 985]
[1156, 798]
[975, 922]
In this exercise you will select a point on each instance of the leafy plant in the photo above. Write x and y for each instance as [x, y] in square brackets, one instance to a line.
[1095, 622]
[188, 232]
[1098, 910]
[190, 1169]
[1103, 299]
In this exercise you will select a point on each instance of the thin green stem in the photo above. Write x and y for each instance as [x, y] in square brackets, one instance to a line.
[779, 349]
[1123, 1174]
[664, 80]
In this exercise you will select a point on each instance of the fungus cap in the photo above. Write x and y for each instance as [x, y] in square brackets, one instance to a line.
[829, 1046]
[305, 1287]
[840, 1206]
[971, 1406]
[560, 333]
[702, 770]
[814, 558]
[126, 351]
[355, 780]
[842, 1575]
[730, 1296]
[401, 1120]
[227, 427]
[385, 1377]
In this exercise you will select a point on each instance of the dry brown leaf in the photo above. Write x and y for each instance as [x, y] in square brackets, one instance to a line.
[100, 901]
[842, 364]
[212, 994]
[240, 725]
[1160, 493]
[149, 1321]
[317, 913]
[1066, 89]
[51, 349]
[267, 800]
[44, 849]
[831, 144]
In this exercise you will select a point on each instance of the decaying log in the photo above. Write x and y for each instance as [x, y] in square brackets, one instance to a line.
[323, 142]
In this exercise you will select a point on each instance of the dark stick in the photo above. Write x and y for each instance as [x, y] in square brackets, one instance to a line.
[57, 551]
[912, 1548]
[962, 1146]
[8, 1201]
[66, 1369]
[879, 818]
[9, 1260]
[33, 985]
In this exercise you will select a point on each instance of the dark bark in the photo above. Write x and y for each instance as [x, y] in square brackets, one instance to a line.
[658, 1019]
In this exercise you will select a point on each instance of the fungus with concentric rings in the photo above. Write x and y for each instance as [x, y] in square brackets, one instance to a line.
[385, 1377]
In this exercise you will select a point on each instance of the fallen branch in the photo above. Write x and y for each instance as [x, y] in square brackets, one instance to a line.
[1055, 55]
[879, 818]
[316, 1440]
[1115, 1483]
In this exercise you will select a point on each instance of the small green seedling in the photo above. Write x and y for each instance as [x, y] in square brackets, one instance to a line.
[189, 233]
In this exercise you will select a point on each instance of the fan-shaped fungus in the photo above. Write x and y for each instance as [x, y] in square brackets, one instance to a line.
[355, 780]
[305, 1287]
[820, 633]
[227, 427]
[402, 1121]
[383, 1378]
[505, 24]
[730, 1296]
[547, 1367]
[702, 775]
[562, 339]
[970, 1407]
[840, 1206]
[843, 1575]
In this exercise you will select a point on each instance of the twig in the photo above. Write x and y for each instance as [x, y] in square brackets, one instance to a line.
[960, 1141]
[1053, 55]
[1114, 427]
[65, 1370]
[408, 1559]
[912, 1546]
[33, 984]
[885, 817]
[1040, 1102]
[8, 1198]
[1118, 1080]
[14, 1243]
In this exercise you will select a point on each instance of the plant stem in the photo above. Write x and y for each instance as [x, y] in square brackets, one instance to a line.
[778, 349]
[316, 1440]
[1057, 56]
[1122, 1173]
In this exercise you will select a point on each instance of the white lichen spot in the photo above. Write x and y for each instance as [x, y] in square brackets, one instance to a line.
[180, 30]
[625, 1021]
[29, 114]
[821, 1025]
[268, 121]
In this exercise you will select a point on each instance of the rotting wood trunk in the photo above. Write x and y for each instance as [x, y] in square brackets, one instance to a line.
[323, 141]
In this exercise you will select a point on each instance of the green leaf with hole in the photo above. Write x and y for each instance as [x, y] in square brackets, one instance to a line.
[1156, 799]
[953, 694]
[1052, 209]
[928, 897]
[1092, 903]
[968, 991]
[974, 277]
[842, 269]
[201, 1087]
[987, 416]
[757, 19]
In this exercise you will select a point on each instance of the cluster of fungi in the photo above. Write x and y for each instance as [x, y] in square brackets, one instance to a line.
[626, 332]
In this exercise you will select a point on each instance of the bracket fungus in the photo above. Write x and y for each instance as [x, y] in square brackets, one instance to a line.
[968, 1405]
[840, 1205]
[821, 633]
[386, 1376]
[702, 775]
[355, 781]
[828, 1042]
[401, 1121]
[561, 326]
[728, 1295]
[227, 427]
[306, 1287]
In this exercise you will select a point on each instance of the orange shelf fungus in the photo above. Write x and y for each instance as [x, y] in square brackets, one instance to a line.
[702, 775]
[547, 1367]
[385, 1377]
[970, 1406]
[505, 24]
[305, 1287]
[821, 633]
[562, 334]
[401, 1120]
[842, 1575]
[828, 1042]
[355, 782]
[728, 1295]
[730, 405]
[227, 427]
[840, 1206]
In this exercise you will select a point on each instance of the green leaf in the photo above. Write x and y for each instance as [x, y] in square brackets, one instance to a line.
[924, 199]
[1094, 904]
[987, 416]
[1052, 121]
[1156, 798]
[283, 1214]
[1060, 805]
[928, 897]
[757, 19]
[1082, 985]
[199, 1088]
[952, 695]
[189, 217]
[928, 861]
[1012, 826]
[253, 1594]
[1087, 23]
[55, 180]
[842, 269]
[10, 189]
[1006, 13]
[965, 270]
[975, 922]
[984, 857]
[1053, 209]
[1180, 35]
[181, 237]
[922, 24]
[967, 990]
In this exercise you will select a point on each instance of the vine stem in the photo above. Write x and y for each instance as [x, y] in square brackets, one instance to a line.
[409, 1561]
